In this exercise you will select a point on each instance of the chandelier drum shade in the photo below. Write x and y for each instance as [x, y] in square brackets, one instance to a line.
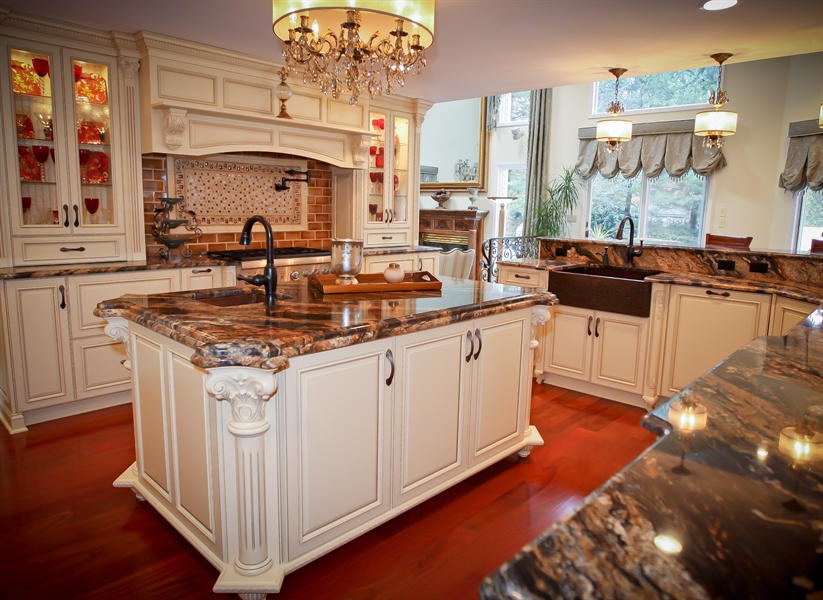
[714, 125]
[614, 131]
[379, 44]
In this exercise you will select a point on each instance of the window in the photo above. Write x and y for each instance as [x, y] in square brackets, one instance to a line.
[664, 210]
[514, 109]
[809, 219]
[661, 91]
[511, 181]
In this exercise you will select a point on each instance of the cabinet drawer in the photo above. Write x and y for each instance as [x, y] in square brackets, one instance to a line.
[201, 278]
[33, 251]
[378, 264]
[97, 367]
[387, 237]
[523, 277]
[86, 291]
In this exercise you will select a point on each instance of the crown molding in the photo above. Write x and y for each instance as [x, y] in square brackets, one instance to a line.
[13, 22]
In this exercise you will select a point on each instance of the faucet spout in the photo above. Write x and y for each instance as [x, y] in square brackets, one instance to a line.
[269, 277]
[631, 251]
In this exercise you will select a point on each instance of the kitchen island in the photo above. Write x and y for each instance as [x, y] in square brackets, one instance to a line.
[730, 508]
[340, 412]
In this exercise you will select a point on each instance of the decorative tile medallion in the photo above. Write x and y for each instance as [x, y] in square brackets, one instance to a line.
[223, 194]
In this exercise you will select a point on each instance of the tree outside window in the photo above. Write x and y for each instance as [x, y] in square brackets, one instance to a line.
[511, 181]
[810, 221]
[660, 90]
[515, 109]
[665, 210]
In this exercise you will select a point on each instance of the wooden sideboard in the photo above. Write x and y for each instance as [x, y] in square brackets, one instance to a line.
[453, 229]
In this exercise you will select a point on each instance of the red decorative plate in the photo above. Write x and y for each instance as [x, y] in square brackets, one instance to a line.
[97, 169]
[29, 167]
[23, 79]
[89, 133]
[25, 130]
[93, 87]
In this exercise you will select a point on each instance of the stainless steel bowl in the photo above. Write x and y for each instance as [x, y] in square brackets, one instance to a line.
[346, 260]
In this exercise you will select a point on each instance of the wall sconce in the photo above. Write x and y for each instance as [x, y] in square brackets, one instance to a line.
[518, 133]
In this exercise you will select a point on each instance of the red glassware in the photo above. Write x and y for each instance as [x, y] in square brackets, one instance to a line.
[26, 203]
[373, 177]
[92, 204]
[381, 123]
[41, 66]
[51, 152]
[41, 153]
[379, 161]
[372, 150]
[372, 208]
[84, 156]
[78, 73]
[380, 177]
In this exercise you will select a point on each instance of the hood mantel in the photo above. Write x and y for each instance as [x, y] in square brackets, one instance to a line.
[197, 100]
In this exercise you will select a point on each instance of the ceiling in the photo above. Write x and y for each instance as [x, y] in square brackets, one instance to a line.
[487, 47]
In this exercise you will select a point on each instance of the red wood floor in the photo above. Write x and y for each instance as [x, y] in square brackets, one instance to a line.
[65, 532]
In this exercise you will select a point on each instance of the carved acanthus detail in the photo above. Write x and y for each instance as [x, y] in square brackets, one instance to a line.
[245, 388]
[540, 315]
[118, 330]
[129, 67]
[360, 151]
[174, 124]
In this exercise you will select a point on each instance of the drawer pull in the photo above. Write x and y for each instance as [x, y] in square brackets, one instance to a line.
[388, 237]
[519, 276]
[724, 294]
[78, 249]
[62, 291]
[596, 326]
[195, 271]
[391, 362]
[76, 216]
[479, 343]
[66, 210]
[471, 350]
[590, 325]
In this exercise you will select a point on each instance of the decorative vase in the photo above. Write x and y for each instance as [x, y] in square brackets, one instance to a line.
[472, 197]
[393, 273]
[441, 196]
[346, 260]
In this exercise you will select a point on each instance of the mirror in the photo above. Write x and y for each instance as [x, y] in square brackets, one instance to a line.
[454, 146]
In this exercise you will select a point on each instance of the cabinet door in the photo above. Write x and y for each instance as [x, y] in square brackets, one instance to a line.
[787, 313]
[619, 351]
[40, 348]
[98, 367]
[338, 415]
[705, 326]
[430, 402]
[201, 278]
[501, 384]
[569, 341]
[429, 261]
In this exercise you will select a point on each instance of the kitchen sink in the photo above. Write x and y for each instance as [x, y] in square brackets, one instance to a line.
[234, 300]
[610, 289]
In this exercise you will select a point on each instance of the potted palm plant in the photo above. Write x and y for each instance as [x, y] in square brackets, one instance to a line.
[552, 211]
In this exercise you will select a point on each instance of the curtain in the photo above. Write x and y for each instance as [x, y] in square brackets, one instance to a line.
[803, 164]
[537, 155]
[492, 108]
[674, 152]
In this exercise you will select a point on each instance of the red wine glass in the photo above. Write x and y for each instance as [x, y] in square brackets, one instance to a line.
[372, 211]
[26, 203]
[78, 73]
[41, 66]
[41, 153]
[84, 157]
[92, 204]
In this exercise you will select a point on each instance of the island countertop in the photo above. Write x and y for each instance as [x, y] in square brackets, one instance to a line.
[305, 321]
[726, 493]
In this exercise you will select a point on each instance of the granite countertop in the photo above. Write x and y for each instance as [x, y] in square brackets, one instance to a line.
[106, 267]
[726, 493]
[414, 250]
[305, 321]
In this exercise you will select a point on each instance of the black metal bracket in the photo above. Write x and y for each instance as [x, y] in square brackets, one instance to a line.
[283, 185]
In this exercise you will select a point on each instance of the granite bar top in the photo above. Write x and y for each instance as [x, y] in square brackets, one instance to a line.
[748, 516]
[305, 321]
[106, 267]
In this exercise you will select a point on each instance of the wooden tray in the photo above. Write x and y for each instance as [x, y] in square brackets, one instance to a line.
[374, 282]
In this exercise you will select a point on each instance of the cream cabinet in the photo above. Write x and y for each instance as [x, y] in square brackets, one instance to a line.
[786, 313]
[522, 276]
[70, 150]
[704, 327]
[411, 261]
[603, 348]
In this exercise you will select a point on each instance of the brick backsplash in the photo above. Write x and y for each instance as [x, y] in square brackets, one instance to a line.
[318, 235]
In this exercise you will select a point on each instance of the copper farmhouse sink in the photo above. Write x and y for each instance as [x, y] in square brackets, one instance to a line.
[610, 289]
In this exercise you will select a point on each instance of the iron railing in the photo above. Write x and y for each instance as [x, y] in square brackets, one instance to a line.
[505, 248]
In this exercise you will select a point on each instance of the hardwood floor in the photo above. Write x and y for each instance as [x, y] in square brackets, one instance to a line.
[66, 532]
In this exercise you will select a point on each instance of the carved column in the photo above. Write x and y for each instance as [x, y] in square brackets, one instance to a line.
[540, 315]
[131, 167]
[248, 389]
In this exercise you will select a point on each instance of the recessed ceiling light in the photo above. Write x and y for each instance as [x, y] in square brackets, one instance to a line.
[718, 4]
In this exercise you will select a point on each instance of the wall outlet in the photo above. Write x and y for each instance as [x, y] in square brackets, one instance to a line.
[721, 223]
[726, 265]
[561, 252]
[758, 267]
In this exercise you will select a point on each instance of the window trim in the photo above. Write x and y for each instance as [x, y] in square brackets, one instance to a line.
[505, 101]
[502, 212]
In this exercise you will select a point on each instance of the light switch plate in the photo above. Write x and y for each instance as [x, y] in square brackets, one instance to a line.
[721, 223]
[722, 211]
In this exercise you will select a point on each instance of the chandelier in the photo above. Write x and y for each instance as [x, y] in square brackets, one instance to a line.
[714, 125]
[613, 131]
[359, 59]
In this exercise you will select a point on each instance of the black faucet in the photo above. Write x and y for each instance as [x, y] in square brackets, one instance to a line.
[631, 251]
[269, 277]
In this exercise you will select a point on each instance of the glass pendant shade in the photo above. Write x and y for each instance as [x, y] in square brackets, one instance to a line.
[715, 123]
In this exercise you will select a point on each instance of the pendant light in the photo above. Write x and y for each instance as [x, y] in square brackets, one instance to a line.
[714, 125]
[614, 131]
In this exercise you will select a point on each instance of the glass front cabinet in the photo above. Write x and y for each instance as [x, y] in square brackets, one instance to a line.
[388, 221]
[63, 154]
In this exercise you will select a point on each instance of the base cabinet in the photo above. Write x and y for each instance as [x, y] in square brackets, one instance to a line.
[704, 327]
[786, 313]
[411, 261]
[604, 348]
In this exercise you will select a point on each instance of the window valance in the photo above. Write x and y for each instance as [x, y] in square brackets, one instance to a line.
[803, 164]
[674, 152]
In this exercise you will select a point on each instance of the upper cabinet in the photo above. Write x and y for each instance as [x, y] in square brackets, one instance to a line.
[198, 100]
[70, 151]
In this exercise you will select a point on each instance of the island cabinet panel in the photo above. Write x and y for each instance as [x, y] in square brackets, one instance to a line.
[40, 346]
[432, 387]
[704, 327]
[500, 384]
[338, 415]
[786, 313]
